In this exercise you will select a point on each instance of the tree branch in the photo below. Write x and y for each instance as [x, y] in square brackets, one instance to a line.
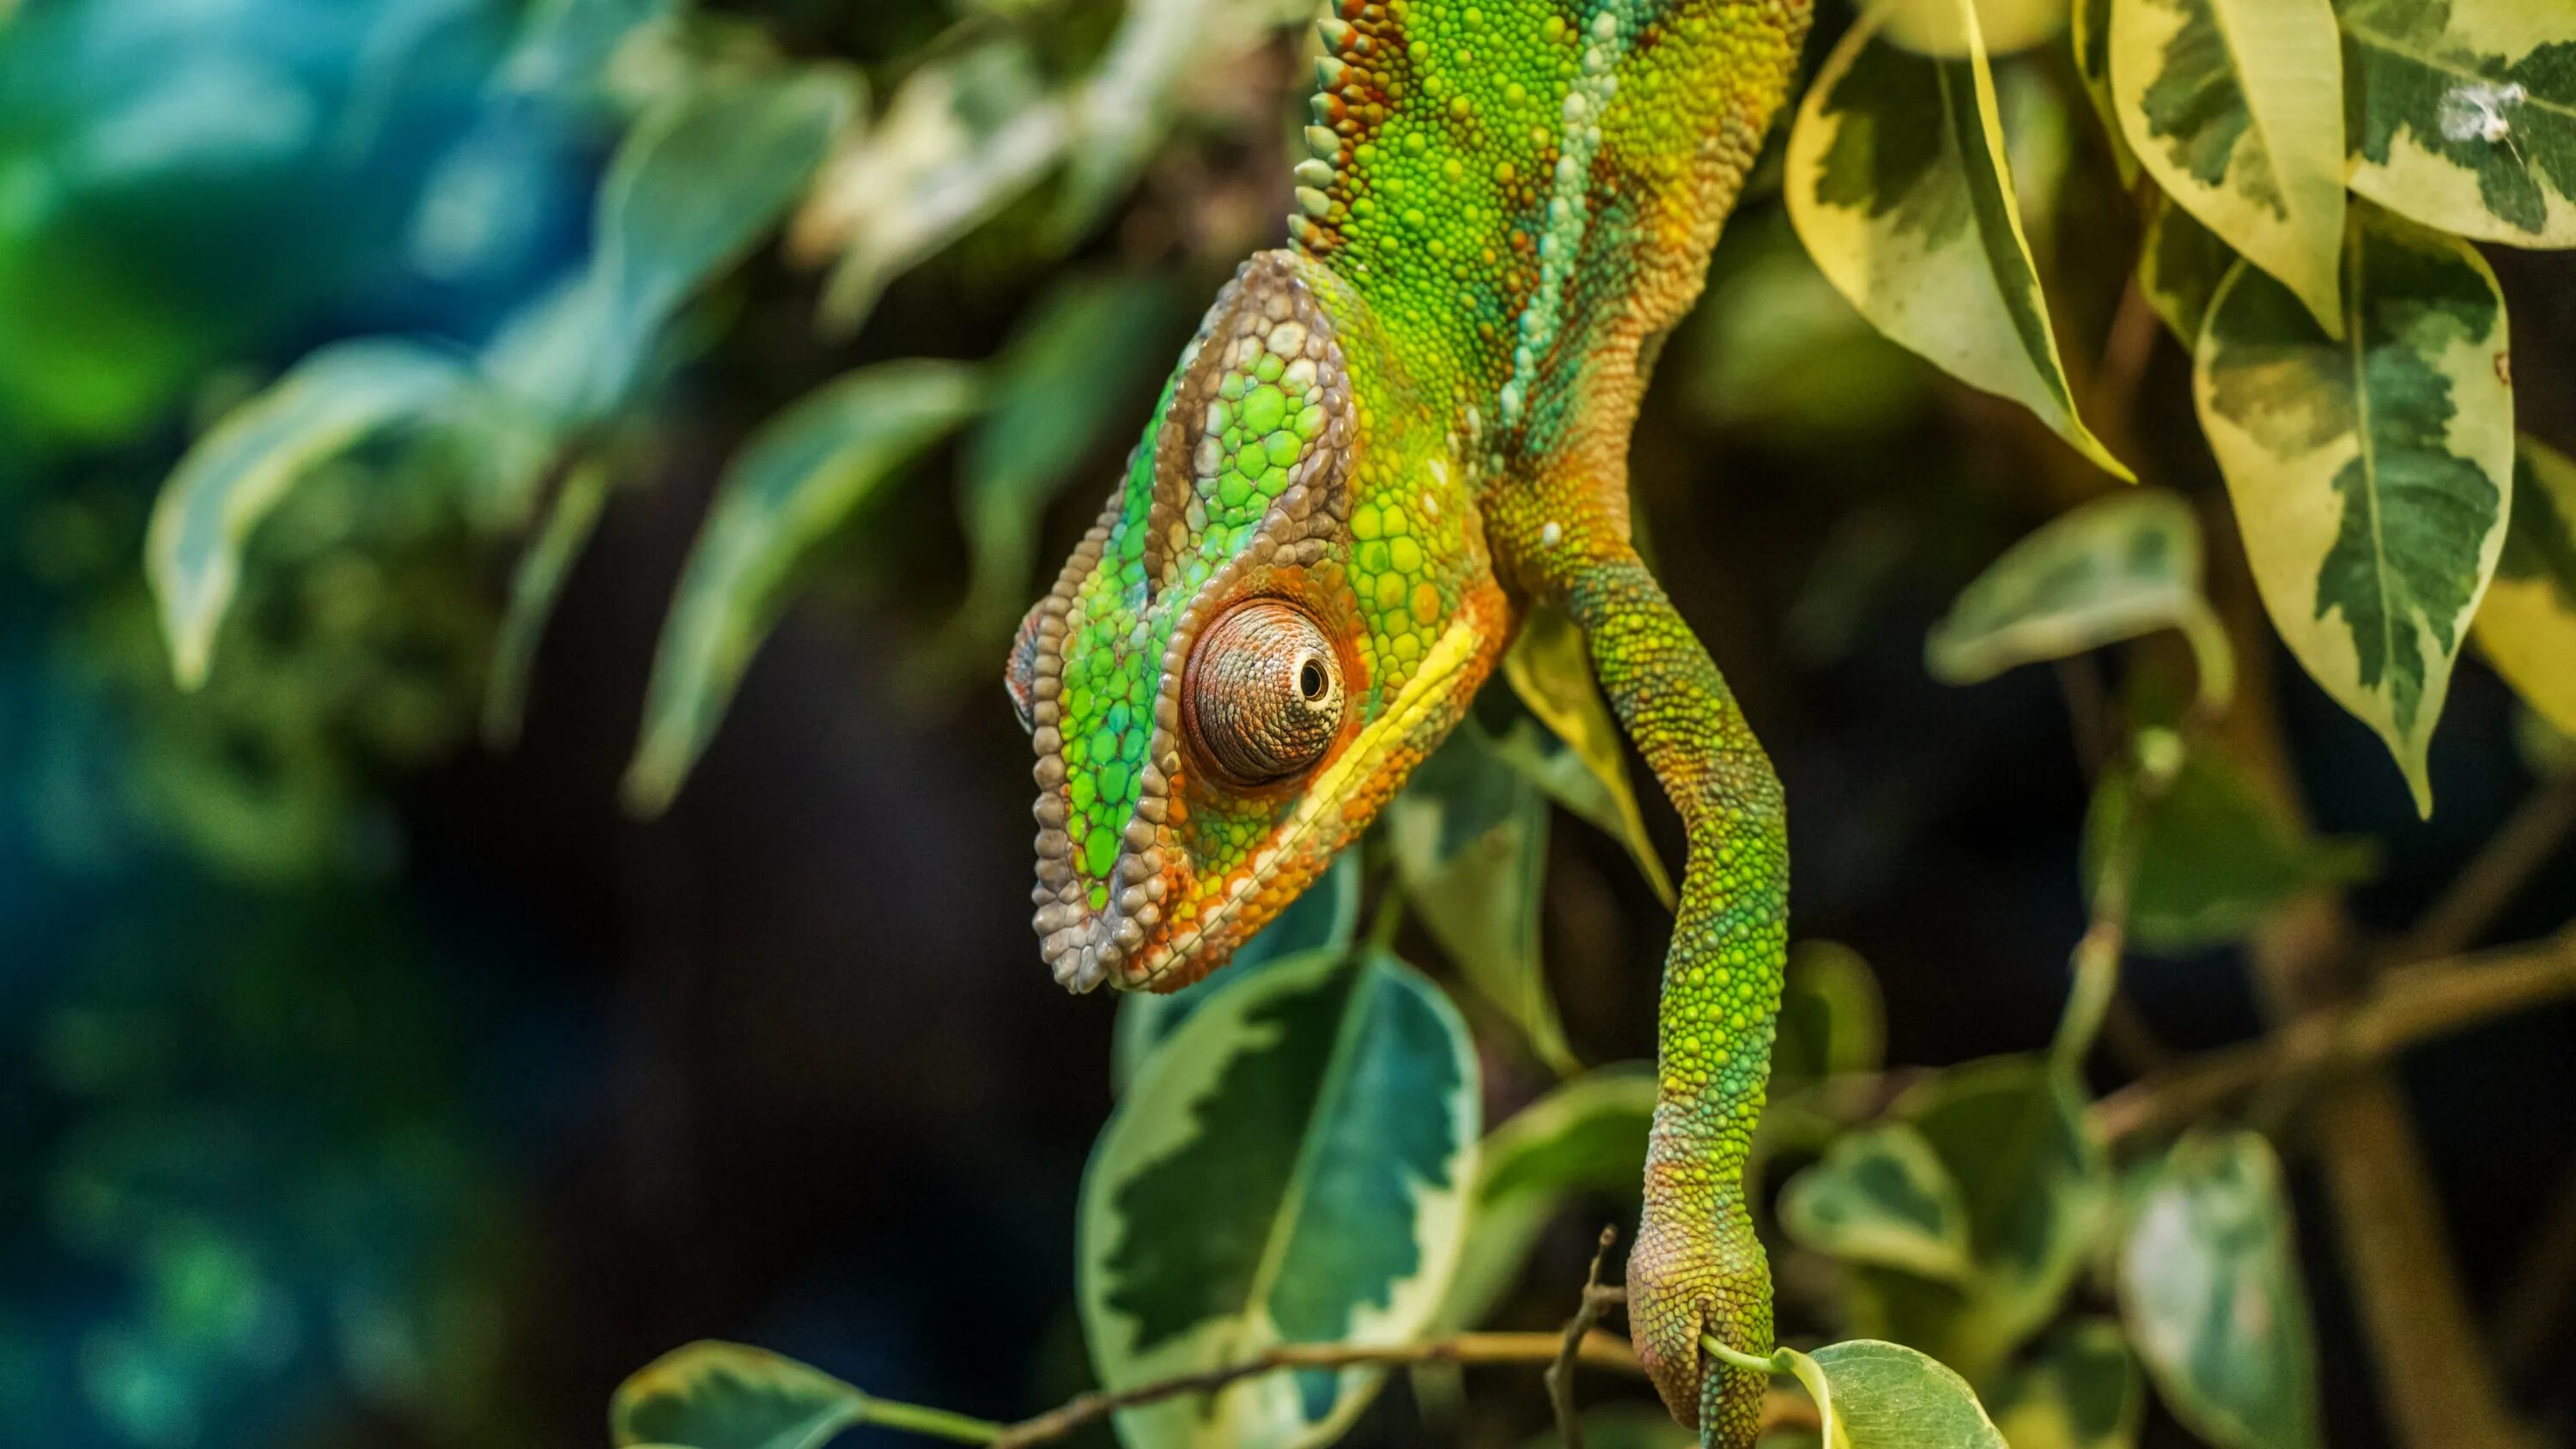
[1560, 1374]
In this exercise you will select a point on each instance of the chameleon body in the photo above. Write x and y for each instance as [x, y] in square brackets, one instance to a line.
[1388, 440]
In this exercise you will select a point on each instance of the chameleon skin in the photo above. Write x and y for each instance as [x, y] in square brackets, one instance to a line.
[1509, 203]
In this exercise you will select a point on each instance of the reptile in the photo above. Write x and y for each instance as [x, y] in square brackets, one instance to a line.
[1389, 440]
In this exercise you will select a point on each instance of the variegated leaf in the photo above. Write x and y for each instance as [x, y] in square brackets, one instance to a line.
[1549, 667]
[1587, 1136]
[1874, 1395]
[711, 1395]
[2527, 623]
[1931, 27]
[1291, 1167]
[2463, 114]
[2369, 476]
[2079, 1391]
[1323, 918]
[1881, 1195]
[2180, 264]
[1899, 186]
[2235, 107]
[2089, 29]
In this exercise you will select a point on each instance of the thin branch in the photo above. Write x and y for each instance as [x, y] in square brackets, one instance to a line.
[1560, 1374]
[2491, 879]
[2093, 967]
[2409, 1005]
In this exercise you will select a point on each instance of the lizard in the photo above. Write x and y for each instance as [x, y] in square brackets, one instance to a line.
[1389, 440]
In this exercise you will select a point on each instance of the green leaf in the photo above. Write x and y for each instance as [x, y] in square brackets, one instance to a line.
[1549, 667]
[1059, 392]
[730, 1396]
[1899, 185]
[2527, 623]
[1881, 1196]
[2462, 114]
[2180, 264]
[2369, 476]
[2079, 1391]
[2089, 32]
[2213, 858]
[241, 470]
[1831, 1020]
[1322, 919]
[2209, 1287]
[797, 482]
[1292, 1167]
[2116, 568]
[566, 46]
[1469, 837]
[1121, 109]
[1932, 27]
[534, 587]
[1777, 351]
[1586, 1136]
[701, 178]
[1886, 1396]
[2235, 107]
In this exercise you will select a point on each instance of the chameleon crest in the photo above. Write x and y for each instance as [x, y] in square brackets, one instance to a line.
[1285, 604]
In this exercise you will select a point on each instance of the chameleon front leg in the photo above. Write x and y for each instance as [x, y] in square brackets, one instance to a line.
[1696, 1266]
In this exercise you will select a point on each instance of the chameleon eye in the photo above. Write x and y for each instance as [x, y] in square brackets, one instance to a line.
[1264, 691]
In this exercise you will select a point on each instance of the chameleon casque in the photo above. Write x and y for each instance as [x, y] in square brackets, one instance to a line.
[1388, 441]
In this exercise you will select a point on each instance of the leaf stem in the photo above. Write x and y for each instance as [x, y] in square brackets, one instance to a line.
[1738, 1358]
[931, 1423]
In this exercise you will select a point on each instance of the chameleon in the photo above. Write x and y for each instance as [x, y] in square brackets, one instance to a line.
[1389, 441]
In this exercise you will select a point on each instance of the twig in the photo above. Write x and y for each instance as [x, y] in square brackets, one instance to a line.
[2488, 883]
[1597, 1350]
[1560, 1374]
[2093, 967]
[2410, 1005]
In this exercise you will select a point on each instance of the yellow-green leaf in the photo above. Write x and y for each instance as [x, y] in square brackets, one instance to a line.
[730, 1396]
[794, 485]
[1587, 1136]
[2463, 114]
[2079, 1391]
[534, 586]
[1550, 667]
[2209, 1287]
[1933, 27]
[1899, 186]
[1322, 918]
[2527, 622]
[1874, 1395]
[2089, 30]
[2180, 264]
[2370, 475]
[238, 473]
[2235, 107]
[2113, 569]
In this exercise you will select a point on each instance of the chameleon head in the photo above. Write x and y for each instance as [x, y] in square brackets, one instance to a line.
[1285, 605]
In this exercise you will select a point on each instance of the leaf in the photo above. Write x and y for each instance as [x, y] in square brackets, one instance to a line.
[1059, 393]
[1322, 919]
[2527, 623]
[1932, 27]
[2462, 114]
[2116, 568]
[1123, 106]
[1586, 1136]
[2214, 856]
[701, 178]
[1831, 1021]
[2089, 33]
[566, 46]
[729, 1396]
[1549, 667]
[534, 586]
[797, 481]
[1881, 1196]
[1292, 1167]
[238, 473]
[1886, 1396]
[1469, 838]
[2180, 264]
[1899, 186]
[1776, 349]
[2370, 476]
[2079, 1391]
[2209, 1288]
[2235, 107]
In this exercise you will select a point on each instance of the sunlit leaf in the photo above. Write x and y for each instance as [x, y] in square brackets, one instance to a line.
[2080, 1390]
[1933, 27]
[1886, 1396]
[534, 586]
[2235, 107]
[2180, 264]
[795, 483]
[2369, 476]
[2527, 623]
[2463, 114]
[1549, 666]
[1329, 1108]
[1469, 837]
[1322, 919]
[2210, 1290]
[2116, 568]
[2089, 31]
[730, 1396]
[238, 473]
[1899, 185]
[1587, 1136]
[1881, 1196]
[2213, 858]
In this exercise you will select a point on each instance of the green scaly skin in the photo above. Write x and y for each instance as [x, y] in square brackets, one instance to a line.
[1411, 425]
